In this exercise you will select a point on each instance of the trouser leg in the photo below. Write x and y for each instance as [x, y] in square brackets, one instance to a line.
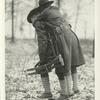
[60, 76]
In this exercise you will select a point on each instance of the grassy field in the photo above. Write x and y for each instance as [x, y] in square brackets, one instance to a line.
[19, 86]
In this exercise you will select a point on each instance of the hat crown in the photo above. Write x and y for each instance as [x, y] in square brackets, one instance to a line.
[41, 2]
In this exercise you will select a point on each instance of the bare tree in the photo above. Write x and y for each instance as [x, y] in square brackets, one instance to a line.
[93, 53]
[36, 4]
[85, 29]
[79, 7]
[77, 13]
[21, 25]
[12, 38]
[59, 4]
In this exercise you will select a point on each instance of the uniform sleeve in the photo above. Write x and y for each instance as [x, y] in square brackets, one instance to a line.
[42, 41]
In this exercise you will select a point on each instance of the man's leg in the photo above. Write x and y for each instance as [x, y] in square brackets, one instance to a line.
[68, 79]
[75, 79]
[63, 92]
[62, 83]
[46, 85]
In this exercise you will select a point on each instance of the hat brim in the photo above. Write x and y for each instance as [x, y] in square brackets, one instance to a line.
[31, 13]
[38, 10]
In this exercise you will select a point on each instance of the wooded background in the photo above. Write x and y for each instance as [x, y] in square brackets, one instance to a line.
[21, 47]
[80, 14]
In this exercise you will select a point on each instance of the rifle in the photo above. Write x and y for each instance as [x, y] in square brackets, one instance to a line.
[41, 69]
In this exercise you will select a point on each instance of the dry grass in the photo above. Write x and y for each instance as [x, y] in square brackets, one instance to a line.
[19, 86]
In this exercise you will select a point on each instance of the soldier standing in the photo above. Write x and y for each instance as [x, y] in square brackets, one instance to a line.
[48, 19]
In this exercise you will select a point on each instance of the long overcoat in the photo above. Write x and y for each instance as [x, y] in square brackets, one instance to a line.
[68, 43]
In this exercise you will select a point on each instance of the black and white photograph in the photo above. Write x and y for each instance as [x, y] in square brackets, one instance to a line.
[49, 50]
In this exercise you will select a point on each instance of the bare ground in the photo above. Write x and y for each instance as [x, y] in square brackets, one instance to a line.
[19, 86]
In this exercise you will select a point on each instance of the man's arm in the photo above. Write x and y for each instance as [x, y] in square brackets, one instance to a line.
[42, 41]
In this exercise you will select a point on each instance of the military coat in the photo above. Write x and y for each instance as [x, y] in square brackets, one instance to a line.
[51, 21]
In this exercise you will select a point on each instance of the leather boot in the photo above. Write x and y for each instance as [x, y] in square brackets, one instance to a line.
[46, 85]
[62, 97]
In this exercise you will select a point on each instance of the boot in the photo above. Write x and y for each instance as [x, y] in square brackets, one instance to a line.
[63, 92]
[47, 91]
[62, 97]
[75, 83]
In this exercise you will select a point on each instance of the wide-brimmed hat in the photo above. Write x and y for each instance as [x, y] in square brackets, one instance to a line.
[31, 13]
[43, 4]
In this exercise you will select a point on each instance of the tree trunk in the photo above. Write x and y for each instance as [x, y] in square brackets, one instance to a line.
[85, 30]
[93, 55]
[36, 4]
[59, 4]
[12, 38]
[77, 14]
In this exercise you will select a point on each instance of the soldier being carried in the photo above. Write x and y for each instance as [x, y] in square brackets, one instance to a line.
[55, 38]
